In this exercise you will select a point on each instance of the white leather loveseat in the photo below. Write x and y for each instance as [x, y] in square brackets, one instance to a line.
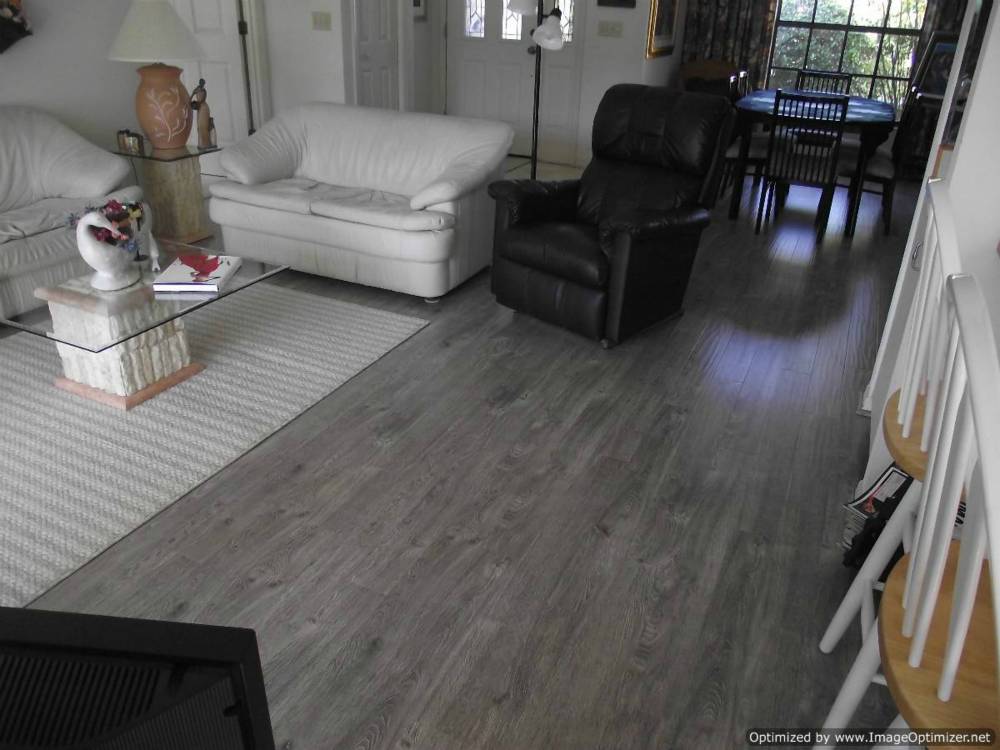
[47, 172]
[382, 198]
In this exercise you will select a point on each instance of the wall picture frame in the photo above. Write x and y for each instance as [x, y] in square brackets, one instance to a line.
[660, 39]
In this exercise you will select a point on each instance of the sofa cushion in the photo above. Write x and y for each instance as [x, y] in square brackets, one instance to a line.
[27, 221]
[53, 213]
[569, 251]
[295, 194]
[381, 209]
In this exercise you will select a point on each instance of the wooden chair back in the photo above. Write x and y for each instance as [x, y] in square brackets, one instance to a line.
[822, 82]
[805, 137]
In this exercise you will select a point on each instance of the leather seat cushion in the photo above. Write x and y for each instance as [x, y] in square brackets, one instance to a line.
[294, 194]
[567, 251]
[611, 188]
[358, 205]
[381, 209]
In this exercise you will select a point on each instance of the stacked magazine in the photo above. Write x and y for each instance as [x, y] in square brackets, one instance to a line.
[891, 485]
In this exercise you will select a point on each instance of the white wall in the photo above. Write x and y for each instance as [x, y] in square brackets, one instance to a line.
[608, 60]
[306, 65]
[974, 178]
[63, 68]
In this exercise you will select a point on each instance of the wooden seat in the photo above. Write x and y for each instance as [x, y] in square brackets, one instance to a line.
[975, 703]
[905, 451]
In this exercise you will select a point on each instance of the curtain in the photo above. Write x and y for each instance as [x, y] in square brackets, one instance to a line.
[738, 31]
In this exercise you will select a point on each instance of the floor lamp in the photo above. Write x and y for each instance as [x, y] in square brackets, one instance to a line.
[546, 35]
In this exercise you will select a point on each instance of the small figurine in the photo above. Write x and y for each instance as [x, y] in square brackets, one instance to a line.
[200, 105]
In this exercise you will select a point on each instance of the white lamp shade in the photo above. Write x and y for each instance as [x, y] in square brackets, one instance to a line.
[549, 35]
[523, 7]
[152, 32]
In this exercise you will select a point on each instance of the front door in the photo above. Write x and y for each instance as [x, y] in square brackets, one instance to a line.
[378, 53]
[491, 74]
[216, 25]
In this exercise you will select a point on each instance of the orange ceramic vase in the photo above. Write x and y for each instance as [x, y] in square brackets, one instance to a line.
[162, 106]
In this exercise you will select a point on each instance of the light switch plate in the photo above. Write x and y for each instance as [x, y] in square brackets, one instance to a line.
[614, 29]
[322, 21]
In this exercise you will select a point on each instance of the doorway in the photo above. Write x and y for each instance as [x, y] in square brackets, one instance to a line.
[491, 73]
[376, 53]
[238, 94]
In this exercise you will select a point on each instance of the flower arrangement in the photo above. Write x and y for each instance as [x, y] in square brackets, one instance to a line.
[125, 220]
[13, 23]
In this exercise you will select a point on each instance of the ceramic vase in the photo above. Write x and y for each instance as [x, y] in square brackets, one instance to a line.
[114, 267]
[162, 106]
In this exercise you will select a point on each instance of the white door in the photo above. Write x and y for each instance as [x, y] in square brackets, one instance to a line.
[491, 74]
[378, 53]
[215, 24]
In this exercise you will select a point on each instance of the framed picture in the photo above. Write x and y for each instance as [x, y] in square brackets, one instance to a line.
[662, 28]
[935, 65]
[420, 9]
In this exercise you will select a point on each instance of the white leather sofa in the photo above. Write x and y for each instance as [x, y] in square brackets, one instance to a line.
[382, 198]
[47, 172]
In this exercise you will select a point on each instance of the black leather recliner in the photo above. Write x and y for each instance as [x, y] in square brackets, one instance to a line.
[611, 253]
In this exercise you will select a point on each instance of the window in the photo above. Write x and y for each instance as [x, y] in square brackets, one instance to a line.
[873, 40]
[567, 7]
[511, 24]
[475, 18]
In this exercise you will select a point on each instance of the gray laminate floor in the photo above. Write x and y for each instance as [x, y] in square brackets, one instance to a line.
[503, 536]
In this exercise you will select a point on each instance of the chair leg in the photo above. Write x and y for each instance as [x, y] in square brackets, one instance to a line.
[898, 724]
[888, 189]
[823, 213]
[760, 207]
[855, 685]
[872, 568]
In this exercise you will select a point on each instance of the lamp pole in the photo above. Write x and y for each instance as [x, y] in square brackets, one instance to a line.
[538, 95]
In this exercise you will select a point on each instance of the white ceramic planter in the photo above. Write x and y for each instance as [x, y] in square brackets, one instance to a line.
[115, 268]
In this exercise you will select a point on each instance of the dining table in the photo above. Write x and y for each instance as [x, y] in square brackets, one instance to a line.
[871, 119]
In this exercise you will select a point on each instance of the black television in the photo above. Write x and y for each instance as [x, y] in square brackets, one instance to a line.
[70, 681]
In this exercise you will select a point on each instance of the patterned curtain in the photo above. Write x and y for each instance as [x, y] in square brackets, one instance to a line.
[738, 31]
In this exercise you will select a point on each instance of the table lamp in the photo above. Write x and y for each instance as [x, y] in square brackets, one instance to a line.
[152, 31]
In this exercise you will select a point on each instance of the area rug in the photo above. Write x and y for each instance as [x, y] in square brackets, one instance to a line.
[76, 476]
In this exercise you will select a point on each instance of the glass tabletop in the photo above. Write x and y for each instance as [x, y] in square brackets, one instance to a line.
[74, 313]
[166, 154]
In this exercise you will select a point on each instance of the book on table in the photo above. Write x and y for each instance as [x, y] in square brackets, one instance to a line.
[197, 272]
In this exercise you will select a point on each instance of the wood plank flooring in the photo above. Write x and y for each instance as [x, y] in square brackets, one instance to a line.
[503, 536]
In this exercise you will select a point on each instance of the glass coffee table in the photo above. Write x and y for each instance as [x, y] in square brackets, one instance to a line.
[123, 348]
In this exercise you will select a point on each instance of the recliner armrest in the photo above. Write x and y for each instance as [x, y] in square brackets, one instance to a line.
[528, 201]
[643, 225]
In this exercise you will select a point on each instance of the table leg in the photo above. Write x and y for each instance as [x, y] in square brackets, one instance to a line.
[744, 126]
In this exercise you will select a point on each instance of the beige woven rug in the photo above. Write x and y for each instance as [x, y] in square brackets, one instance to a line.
[76, 476]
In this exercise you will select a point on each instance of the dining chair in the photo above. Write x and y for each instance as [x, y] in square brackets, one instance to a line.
[906, 425]
[936, 636]
[822, 82]
[883, 167]
[803, 148]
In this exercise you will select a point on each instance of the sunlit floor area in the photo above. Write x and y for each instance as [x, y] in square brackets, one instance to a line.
[501, 535]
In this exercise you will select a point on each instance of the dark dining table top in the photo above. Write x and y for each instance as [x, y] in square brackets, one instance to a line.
[860, 111]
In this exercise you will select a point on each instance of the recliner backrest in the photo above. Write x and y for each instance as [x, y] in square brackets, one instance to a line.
[654, 149]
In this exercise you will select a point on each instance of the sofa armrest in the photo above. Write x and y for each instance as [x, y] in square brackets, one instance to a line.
[270, 154]
[647, 225]
[466, 172]
[527, 201]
